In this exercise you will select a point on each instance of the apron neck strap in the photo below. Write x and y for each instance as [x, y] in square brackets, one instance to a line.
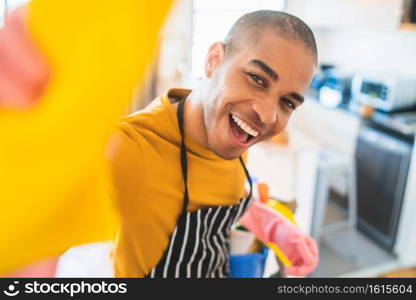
[248, 177]
[184, 162]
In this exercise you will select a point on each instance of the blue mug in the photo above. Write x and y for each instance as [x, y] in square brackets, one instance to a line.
[248, 265]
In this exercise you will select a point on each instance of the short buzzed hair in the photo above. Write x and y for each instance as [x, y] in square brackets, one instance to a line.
[250, 26]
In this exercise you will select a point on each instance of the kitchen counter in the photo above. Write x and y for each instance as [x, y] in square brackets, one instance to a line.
[329, 127]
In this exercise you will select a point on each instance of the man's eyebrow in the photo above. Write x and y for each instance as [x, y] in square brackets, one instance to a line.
[297, 97]
[269, 71]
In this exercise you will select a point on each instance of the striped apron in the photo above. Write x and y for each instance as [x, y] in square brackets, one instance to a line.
[199, 245]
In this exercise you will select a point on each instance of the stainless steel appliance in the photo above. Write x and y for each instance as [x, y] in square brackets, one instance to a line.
[384, 92]
[401, 123]
[382, 164]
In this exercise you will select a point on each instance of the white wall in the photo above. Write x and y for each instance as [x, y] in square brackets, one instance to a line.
[175, 48]
[391, 51]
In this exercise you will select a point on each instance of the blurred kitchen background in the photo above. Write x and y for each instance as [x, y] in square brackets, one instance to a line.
[347, 158]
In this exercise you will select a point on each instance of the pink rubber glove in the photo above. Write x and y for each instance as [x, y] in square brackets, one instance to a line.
[269, 225]
[23, 72]
[39, 269]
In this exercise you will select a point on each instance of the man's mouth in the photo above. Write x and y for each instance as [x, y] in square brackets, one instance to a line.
[242, 131]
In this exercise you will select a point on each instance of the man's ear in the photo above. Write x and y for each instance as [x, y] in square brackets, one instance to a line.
[214, 58]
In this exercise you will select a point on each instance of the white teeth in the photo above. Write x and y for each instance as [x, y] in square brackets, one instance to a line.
[243, 125]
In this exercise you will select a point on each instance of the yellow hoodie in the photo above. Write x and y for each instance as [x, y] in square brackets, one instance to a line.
[149, 186]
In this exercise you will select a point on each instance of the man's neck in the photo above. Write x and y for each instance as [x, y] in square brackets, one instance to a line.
[194, 119]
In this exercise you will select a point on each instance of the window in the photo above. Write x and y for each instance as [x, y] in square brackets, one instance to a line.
[212, 19]
[2, 11]
[8, 5]
[12, 4]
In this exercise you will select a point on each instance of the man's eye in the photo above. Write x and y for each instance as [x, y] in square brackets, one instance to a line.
[289, 103]
[257, 79]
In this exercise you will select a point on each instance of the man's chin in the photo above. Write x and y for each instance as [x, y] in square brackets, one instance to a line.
[226, 154]
[224, 150]
[228, 157]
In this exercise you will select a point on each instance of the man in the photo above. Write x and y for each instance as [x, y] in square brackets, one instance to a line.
[178, 171]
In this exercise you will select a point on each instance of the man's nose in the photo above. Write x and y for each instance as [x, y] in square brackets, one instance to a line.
[266, 109]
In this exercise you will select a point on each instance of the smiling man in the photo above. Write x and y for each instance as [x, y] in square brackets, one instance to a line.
[179, 166]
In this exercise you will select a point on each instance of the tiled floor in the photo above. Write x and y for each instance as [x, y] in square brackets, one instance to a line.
[348, 251]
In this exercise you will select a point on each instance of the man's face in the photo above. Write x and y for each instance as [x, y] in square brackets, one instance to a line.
[251, 94]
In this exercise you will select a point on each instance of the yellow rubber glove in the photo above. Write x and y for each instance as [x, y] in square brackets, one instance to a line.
[53, 176]
[264, 197]
[288, 214]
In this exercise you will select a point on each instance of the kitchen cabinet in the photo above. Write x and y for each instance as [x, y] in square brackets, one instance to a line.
[358, 14]
[331, 128]
[334, 129]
